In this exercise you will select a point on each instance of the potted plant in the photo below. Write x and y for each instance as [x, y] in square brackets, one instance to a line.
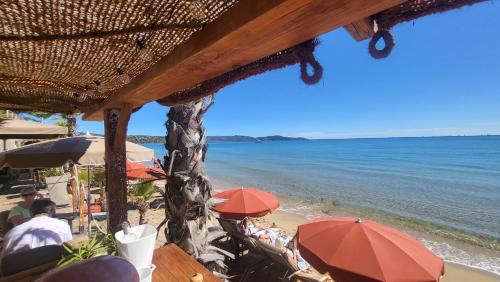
[57, 183]
[140, 194]
[98, 245]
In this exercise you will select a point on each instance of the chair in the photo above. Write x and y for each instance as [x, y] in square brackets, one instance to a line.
[25, 260]
[5, 226]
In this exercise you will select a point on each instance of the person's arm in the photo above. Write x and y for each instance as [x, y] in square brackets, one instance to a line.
[17, 219]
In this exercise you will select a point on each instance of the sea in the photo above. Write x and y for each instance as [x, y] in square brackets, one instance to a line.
[451, 184]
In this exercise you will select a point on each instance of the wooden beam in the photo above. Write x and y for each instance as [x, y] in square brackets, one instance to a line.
[115, 132]
[247, 32]
[361, 30]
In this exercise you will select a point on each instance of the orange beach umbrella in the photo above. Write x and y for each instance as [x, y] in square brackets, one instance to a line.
[245, 202]
[366, 251]
[140, 171]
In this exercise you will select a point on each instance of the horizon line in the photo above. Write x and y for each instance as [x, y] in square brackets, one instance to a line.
[337, 138]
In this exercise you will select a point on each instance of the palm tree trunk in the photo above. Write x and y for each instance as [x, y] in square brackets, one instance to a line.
[142, 208]
[71, 123]
[188, 187]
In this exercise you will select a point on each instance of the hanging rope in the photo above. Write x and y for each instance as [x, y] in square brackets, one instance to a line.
[317, 69]
[388, 41]
[300, 54]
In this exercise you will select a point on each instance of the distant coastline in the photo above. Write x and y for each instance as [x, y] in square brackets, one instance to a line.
[145, 139]
[149, 139]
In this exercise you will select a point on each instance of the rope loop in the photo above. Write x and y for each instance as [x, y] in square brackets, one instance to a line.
[317, 69]
[388, 41]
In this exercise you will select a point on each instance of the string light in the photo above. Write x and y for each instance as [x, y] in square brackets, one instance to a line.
[144, 53]
[124, 77]
[100, 87]
[86, 93]
[197, 9]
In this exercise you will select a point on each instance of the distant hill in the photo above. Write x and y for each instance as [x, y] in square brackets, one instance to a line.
[143, 139]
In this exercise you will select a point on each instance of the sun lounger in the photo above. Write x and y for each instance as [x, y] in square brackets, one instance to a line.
[292, 271]
[236, 238]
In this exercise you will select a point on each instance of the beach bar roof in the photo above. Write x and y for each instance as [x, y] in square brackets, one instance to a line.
[25, 129]
[62, 56]
[107, 58]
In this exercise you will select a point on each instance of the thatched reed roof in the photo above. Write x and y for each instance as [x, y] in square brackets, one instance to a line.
[50, 51]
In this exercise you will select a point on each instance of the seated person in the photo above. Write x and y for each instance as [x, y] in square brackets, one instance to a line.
[21, 213]
[265, 233]
[41, 230]
[294, 255]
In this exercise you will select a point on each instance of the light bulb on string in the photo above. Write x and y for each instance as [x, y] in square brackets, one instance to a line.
[76, 111]
[100, 87]
[86, 93]
[124, 77]
[144, 53]
[197, 9]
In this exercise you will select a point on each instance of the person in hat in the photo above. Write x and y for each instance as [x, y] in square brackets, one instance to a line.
[21, 212]
[41, 230]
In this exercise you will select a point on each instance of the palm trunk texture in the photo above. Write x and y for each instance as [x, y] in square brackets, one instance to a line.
[188, 188]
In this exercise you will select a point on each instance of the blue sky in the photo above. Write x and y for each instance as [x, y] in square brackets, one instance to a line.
[442, 78]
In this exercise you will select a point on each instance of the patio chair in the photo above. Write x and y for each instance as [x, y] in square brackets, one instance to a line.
[5, 226]
[41, 259]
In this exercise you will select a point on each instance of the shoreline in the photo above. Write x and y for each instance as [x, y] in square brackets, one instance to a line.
[461, 256]
[454, 272]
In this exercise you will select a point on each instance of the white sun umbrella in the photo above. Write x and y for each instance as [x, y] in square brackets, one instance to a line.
[81, 150]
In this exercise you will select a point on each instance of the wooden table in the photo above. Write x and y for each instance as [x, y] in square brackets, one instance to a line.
[173, 264]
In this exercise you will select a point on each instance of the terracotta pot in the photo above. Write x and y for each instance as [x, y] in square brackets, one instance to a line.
[93, 209]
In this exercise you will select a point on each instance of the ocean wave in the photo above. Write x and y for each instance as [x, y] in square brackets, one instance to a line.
[456, 255]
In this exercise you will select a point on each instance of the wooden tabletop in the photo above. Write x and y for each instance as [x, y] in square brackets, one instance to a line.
[173, 264]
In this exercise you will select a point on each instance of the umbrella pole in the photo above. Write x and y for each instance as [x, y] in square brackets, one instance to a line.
[74, 187]
[88, 201]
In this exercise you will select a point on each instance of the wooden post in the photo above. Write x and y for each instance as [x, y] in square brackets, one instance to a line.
[74, 187]
[81, 204]
[115, 133]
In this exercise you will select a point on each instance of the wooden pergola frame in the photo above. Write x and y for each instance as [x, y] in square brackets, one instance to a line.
[249, 31]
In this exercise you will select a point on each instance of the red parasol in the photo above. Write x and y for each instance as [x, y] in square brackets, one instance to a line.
[245, 202]
[140, 171]
[366, 251]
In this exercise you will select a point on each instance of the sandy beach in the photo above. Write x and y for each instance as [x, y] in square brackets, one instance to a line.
[287, 221]
[453, 272]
